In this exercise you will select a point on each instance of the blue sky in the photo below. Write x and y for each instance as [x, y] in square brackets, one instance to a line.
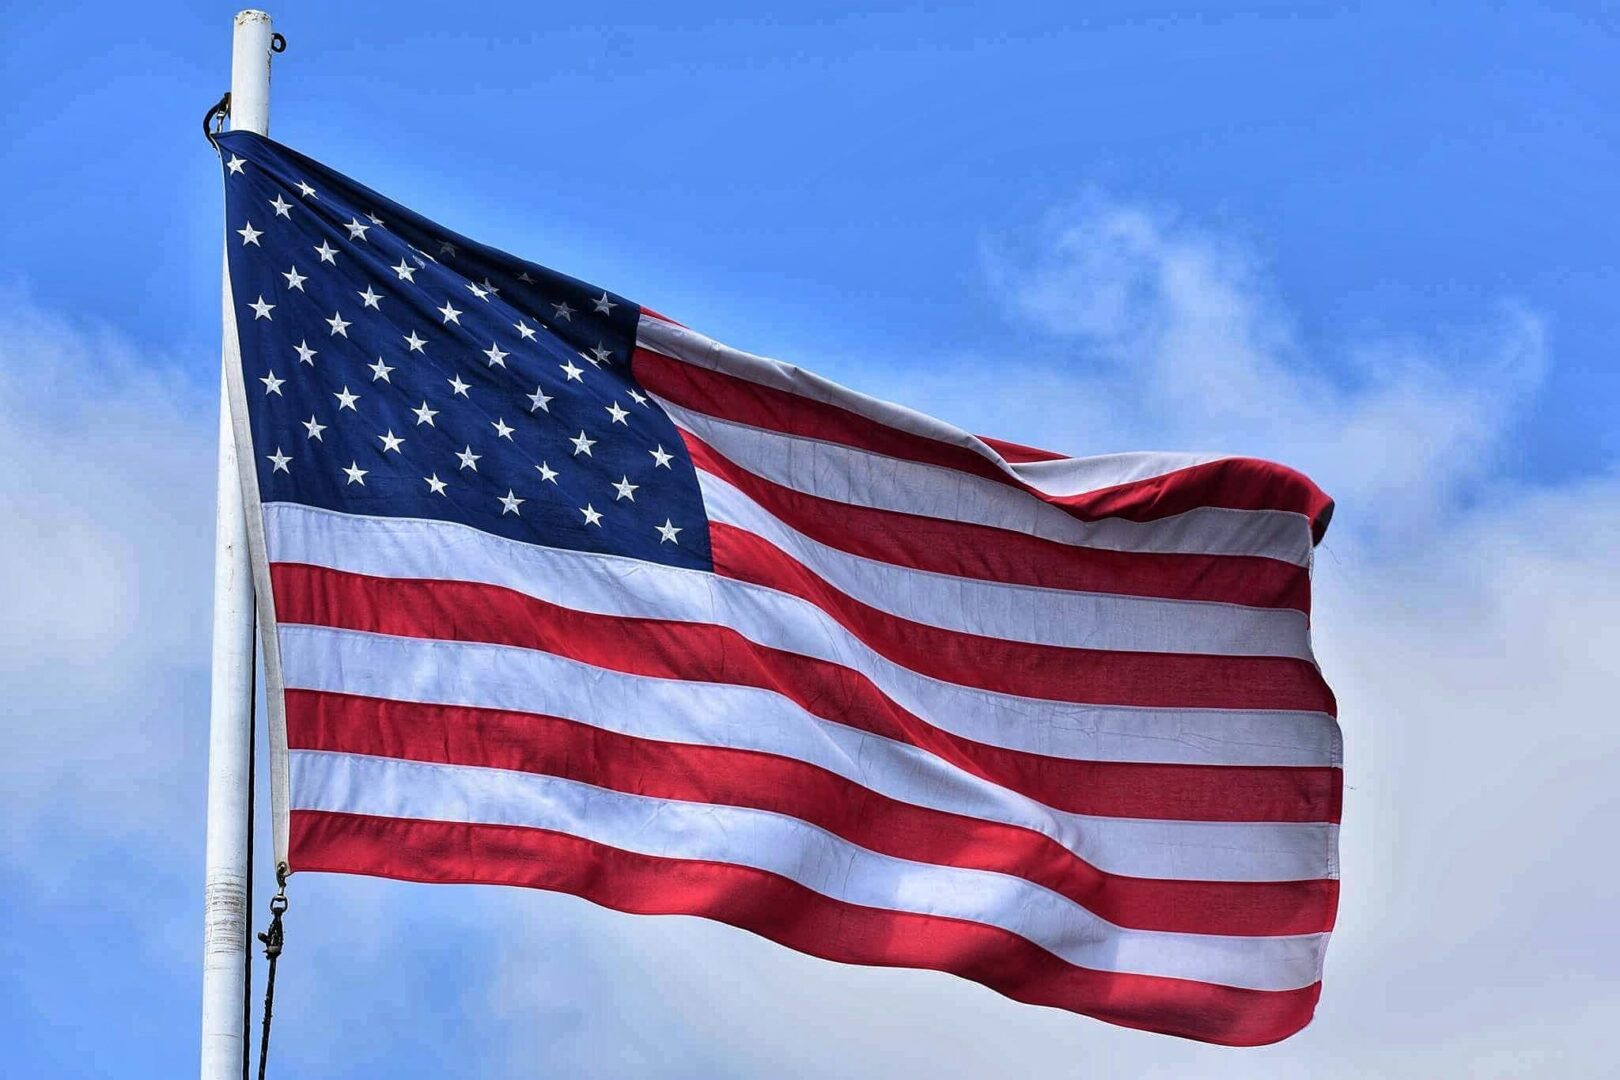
[1373, 241]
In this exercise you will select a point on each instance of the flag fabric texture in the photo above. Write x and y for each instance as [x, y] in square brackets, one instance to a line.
[559, 593]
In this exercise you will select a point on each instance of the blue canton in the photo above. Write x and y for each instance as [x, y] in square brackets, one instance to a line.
[395, 368]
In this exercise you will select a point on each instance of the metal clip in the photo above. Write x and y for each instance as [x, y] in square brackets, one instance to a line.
[216, 116]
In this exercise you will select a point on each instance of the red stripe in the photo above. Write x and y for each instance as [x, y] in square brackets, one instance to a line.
[1053, 672]
[786, 912]
[659, 317]
[1232, 483]
[991, 554]
[533, 743]
[464, 611]
[1018, 452]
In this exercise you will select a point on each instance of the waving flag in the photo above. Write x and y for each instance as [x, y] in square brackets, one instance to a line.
[561, 594]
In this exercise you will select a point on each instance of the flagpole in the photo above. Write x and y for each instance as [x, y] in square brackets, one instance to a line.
[230, 734]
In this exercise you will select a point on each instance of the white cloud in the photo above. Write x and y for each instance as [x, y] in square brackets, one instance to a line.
[106, 540]
[1166, 334]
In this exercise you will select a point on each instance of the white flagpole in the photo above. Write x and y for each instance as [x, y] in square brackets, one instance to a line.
[225, 928]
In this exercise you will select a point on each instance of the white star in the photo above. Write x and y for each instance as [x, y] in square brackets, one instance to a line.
[457, 386]
[591, 516]
[235, 165]
[272, 385]
[667, 532]
[660, 458]
[469, 460]
[618, 414]
[261, 310]
[282, 206]
[501, 430]
[496, 356]
[450, 314]
[314, 427]
[540, 400]
[564, 312]
[575, 373]
[492, 290]
[380, 370]
[525, 278]
[356, 474]
[591, 360]
[602, 353]
[509, 503]
[415, 342]
[435, 485]
[346, 400]
[338, 324]
[582, 445]
[625, 489]
[525, 331]
[305, 353]
[447, 248]
[295, 280]
[547, 472]
[425, 415]
[373, 218]
[604, 305]
[478, 292]
[357, 231]
[327, 252]
[405, 271]
[391, 441]
[278, 462]
[305, 190]
[638, 397]
[370, 299]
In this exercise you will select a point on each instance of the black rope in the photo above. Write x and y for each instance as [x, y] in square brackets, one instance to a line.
[247, 901]
[272, 938]
[215, 116]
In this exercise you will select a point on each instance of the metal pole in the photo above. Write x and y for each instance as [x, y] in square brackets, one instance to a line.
[230, 791]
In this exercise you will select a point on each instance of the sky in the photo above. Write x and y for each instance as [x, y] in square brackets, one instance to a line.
[1375, 242]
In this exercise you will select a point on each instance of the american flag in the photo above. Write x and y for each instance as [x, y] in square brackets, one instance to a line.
[559, 593]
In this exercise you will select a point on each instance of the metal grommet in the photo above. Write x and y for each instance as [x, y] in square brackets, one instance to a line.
[278, 43]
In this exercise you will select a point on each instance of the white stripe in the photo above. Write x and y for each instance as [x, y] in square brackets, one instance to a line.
[794, 849]
[1058, 477]
[861, 478]
[1063, 477]
[612, 585]
[1082, 620]
[744, 717]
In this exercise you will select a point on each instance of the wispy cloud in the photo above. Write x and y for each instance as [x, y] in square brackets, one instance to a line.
[106, 540]
[1160, 332]
[106, 461]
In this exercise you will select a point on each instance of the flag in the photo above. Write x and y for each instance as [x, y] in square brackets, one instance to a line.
[560, 593]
